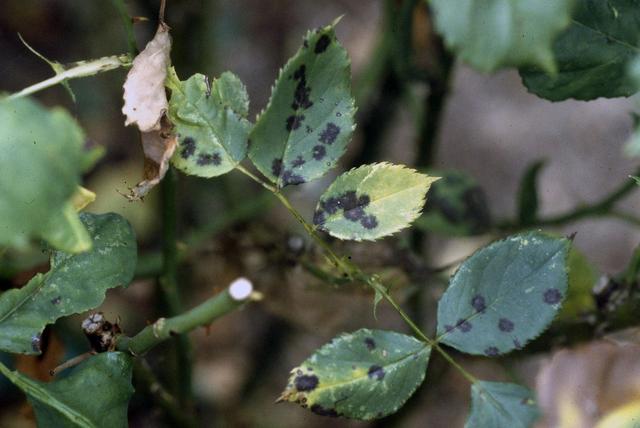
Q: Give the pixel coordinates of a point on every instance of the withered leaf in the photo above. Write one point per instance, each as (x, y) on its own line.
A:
(145, 100)
(158, 147)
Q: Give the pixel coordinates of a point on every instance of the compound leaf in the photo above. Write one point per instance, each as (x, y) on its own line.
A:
(94, 394)
(41, 160)
(492, 34)
(75, 283)
(593, 54)
(364, 375)
(501, 405)
(372, 201)
(505, 294)
(309, 119)
(210, 122)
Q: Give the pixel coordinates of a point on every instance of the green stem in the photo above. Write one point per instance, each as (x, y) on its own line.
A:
(168, 283)
(77, 70)
(127, 23)
(598, 209)
(202, 315)
(355, 273)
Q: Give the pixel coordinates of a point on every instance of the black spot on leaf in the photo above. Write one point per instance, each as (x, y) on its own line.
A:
(478, 303)
(369, 222)
(306, 382)
(319, 410)
(376, 372)
(318, 217)
(552, 296)
(448, 328)
(491, 351)
(288, 177)
(294, 121)
(370, 343)
(319, 152)
(299, 161)
(363, 200)
(329, 134)
(354, 214)
(205, 159)
(330, 205)
(464, 325)
(505, 325)
(301, 94)
(322, 44)
(276, 167)
(188, 148)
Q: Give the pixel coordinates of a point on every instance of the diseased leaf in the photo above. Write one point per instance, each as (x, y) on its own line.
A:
(372, 201)
(309, 119)
(528, 194)
(501, 405)
(593, 54)
(493, 34)
(363, 375)
(145, 100)
(158, 147)
(456, 206)
(209, 119)
(95, 394)
(41, 159)
(505, 294)
(75, 283)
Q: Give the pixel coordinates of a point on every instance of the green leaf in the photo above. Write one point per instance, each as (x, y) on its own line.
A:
(210, 121)
(505, 294)
(593, 54)
(501, 405)
(528, 194)
(363, 375)
(41, 159)
(96, 393)
(372, 201)
(456, 206)
(75, 283)
(309, 119)
(493, 34)
(582, 278)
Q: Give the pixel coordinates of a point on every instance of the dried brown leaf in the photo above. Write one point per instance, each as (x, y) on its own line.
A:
(579, 388)
(158, 147)
(145, 99)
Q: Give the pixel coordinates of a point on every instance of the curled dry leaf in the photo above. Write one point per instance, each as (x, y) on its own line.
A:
(588, 386)
(145, 100)
(145, 104)
(158, 147)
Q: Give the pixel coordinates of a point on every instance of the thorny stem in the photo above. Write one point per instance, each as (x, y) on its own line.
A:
(353, 272)
(79, 69)
(127, 23)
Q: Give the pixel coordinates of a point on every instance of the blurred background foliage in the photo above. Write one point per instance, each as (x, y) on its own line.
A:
(416, 106)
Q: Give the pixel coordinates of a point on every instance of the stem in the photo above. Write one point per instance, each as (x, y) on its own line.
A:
(148, 380)
(168, 283)
(202, 315)
(127, 23)
(354, 272)
(79, 69)
(601, 208)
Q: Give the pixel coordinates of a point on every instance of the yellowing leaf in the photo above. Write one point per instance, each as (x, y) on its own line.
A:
(145, 100)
